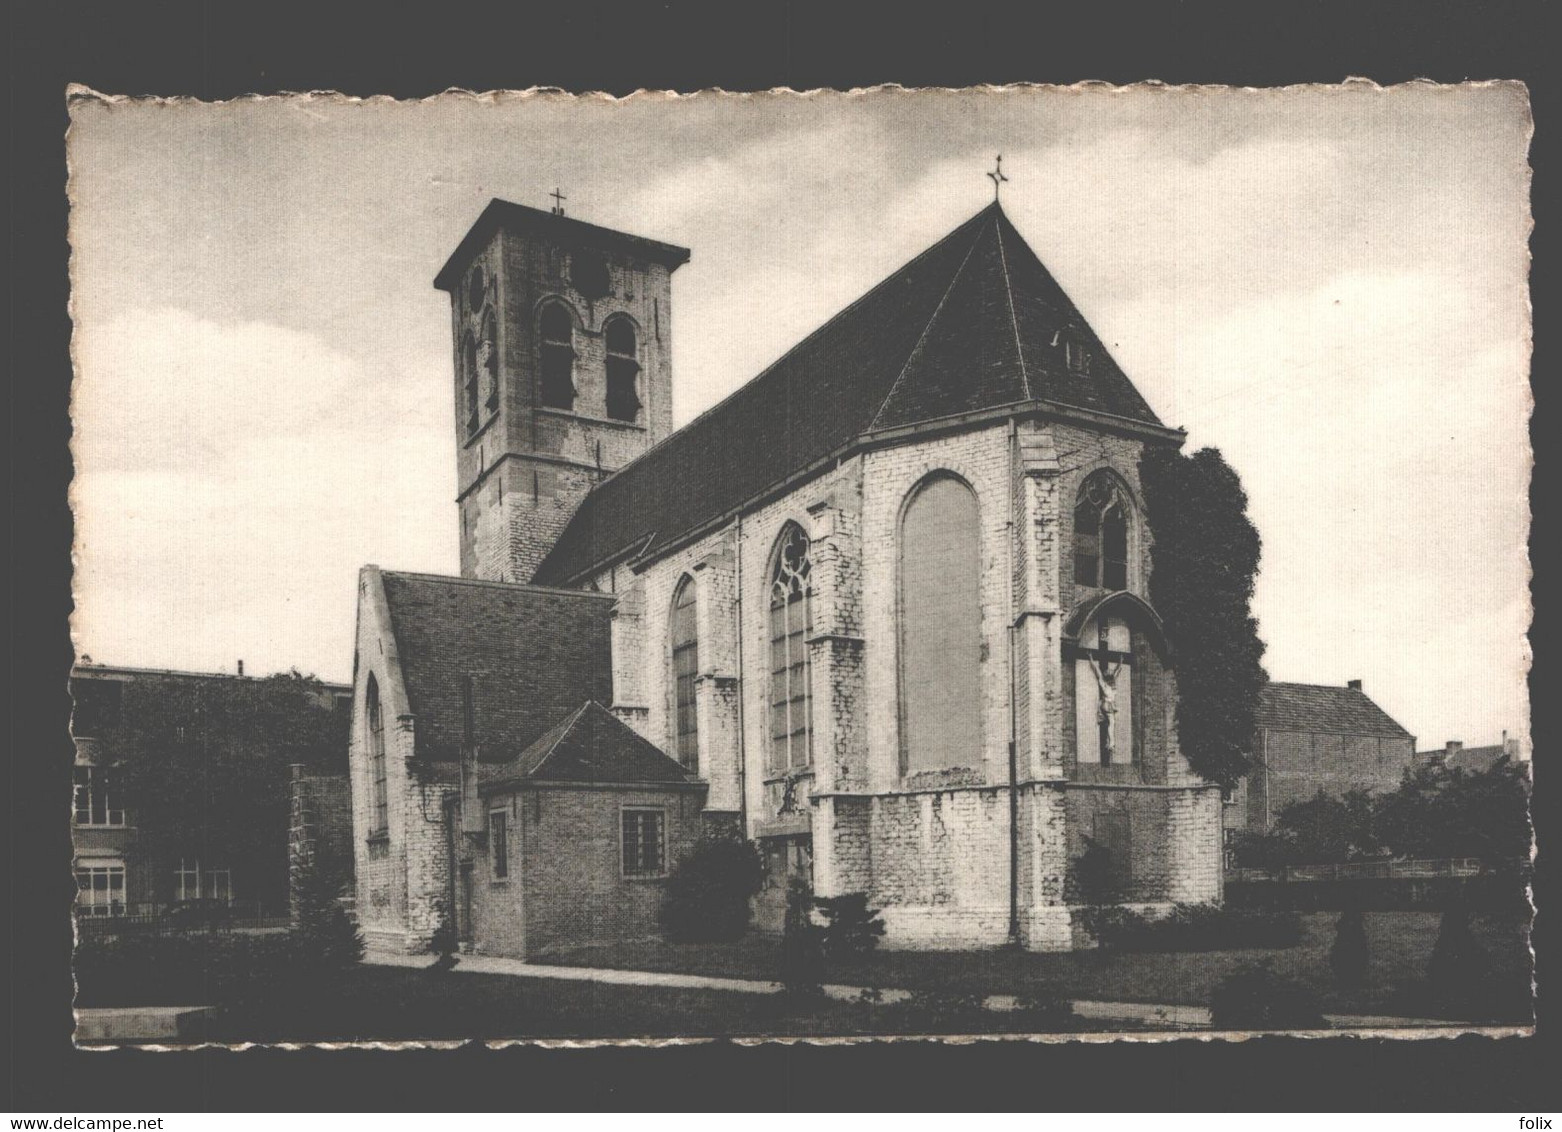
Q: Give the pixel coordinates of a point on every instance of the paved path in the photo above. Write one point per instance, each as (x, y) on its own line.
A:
(1140, 1013)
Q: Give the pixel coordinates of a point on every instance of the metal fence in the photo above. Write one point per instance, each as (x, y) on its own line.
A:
(160, 919)
(1363, 870)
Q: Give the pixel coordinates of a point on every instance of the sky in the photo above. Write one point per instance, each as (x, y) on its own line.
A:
(1327, 284)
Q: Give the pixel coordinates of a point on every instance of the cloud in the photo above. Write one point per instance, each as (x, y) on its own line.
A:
(230, 481)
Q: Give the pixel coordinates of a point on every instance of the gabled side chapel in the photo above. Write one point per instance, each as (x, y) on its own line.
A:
(883, 609)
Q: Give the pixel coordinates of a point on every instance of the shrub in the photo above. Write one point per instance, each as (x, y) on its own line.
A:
(187, 969)
(1200, 927)
(1255, 998)
(326, 935)
(1348, 957)
(802, 958)
(851, 927)
(1460, 972)
(1092, 884)
(707, 895)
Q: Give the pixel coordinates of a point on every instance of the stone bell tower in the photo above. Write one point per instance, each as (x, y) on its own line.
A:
(561, 347)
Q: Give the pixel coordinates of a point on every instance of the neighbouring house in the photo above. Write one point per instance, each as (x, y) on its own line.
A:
(883, 610)
(1314, 737)
(1473, 760)
(124, 864)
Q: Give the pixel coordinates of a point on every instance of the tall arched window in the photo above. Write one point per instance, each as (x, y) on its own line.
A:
(623, 367)
(558, 357)
(488, 360)
(376, 722)
(1101, 519)
(791, 618)
(684, 634)
(940, 628)
(469, 381)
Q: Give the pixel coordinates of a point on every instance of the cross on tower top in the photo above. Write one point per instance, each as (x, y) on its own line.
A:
(997, 177)
(558, 201)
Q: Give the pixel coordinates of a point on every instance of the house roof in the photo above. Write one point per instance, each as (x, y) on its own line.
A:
(1324, 709)
(974, 323)
(1475, 760)
(530, 652)
(589, 745)
(559, 229)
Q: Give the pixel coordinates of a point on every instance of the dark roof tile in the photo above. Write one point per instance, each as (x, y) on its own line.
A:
(975, 322)
(531, 653)
(590, 745)
(1323, 709)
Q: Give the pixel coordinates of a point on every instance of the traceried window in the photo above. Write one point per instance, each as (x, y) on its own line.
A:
(623, 369)
(791, 619)
(488, 360)
(684, 635)
(376, 726)
(96, 803)
(558, 357)
(499, 842)
(643, 840)
(469, 382)
(100, 887)
(940, 628)
(1104, 694)
(1101, 520)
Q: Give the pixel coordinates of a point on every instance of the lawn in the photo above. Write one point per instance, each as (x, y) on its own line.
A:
(1400, 945)
(407, 1004)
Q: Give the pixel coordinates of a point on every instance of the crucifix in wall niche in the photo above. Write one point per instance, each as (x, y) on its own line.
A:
(1105, 671)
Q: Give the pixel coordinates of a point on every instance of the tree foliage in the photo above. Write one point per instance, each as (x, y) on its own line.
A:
(1205, 558)
(204, 766)
(1440, 811)
(707, 895)
(1437, 812)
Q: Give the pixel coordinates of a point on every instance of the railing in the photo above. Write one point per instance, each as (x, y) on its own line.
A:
(163, 919)
(1362, 870)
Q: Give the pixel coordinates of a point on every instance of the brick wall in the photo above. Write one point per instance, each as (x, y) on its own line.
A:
(513, 509)
(1296, 765)
(566, 885)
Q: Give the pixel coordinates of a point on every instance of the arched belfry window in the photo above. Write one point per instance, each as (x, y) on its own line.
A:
(623, 369)
(557, 330)
(1101, 520)
(791, 619)
(684, 635)
(376, 728)
(940, 628)
(469, 395)
(488, 360)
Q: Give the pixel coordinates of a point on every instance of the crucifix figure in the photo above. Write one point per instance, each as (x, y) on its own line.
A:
(1106, 710)
(997, 177)
(558, 201)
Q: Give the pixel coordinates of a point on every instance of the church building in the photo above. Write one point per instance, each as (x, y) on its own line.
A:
(883, 610)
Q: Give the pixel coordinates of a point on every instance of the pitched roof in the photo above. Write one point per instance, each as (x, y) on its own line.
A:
(531, 653)
(560, 229)
(591, 744)
(1475, 760)
(975, 322)
(1324, 709)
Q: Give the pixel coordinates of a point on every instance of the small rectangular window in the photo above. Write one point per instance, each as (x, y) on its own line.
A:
(644, 842)
(499, 842)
